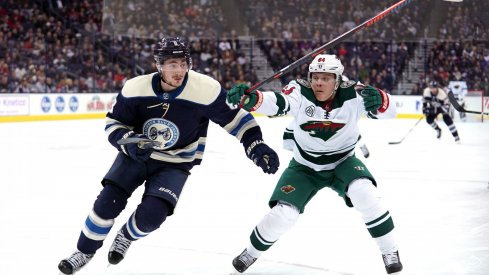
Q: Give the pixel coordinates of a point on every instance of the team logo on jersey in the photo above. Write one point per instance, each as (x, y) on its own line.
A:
(346, 84)
(287, 91)
(162, 130)
(322, 129)
(287, 189)
(310, 110)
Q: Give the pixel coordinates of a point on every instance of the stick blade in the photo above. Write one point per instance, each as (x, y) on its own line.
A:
(394, 142)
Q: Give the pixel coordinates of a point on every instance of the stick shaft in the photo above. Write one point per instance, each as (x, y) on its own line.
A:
(410, 130)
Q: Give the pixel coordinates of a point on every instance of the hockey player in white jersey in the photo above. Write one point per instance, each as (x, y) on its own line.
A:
(459, 89)
(323, 137)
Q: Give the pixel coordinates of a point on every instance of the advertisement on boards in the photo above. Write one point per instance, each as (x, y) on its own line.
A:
(14, 105)
(63, 104)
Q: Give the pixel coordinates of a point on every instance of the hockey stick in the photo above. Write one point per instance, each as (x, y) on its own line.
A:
(143, 143)
(459, 107)
(410, 130)
(310, 56)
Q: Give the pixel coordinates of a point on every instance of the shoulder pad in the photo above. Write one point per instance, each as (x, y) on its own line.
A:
(304, 82)
(200, 88)
(346, 84)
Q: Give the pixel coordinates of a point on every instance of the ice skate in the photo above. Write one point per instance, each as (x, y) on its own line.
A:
(243, 261)
(392, 263)
(75, 262)
(119, 248)
(457, 139)
(438, 133)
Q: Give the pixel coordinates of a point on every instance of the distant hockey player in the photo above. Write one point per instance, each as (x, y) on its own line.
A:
(435, 102)
(323, 139)
(171, 110)
(459, 89)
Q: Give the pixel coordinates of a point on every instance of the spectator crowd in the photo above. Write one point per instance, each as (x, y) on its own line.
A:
(95, 46)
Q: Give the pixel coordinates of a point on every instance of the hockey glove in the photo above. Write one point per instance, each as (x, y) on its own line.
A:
(373, 99)
(428, 108)
(236, 97)
(263, 156)
(136, 150)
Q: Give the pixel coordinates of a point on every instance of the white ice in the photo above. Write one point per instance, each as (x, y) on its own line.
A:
(436, 190)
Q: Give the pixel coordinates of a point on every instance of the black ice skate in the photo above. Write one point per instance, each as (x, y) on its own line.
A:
(365, 151)
(243, 261)
(119, 248)
(75, 262)
(438, 133)
(392, 262)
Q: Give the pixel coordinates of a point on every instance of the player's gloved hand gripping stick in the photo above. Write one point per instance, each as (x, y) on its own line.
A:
(137, 146)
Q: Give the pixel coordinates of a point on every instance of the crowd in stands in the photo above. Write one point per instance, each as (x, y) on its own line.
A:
(323, 20)
(185, 18)
(470, 21)
(95, 46)
(60, 46)
(453, 61)
(373, 63)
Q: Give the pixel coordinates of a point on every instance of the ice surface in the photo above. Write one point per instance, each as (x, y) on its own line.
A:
(436, 190)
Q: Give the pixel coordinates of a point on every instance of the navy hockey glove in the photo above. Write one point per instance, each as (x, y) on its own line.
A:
(428, 108)
(236, 97)
(374, 99)
(263, 156)
(136, 150)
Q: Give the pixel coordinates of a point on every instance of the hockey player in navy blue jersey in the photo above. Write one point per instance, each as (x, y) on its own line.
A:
(169, 110)
(435, 102)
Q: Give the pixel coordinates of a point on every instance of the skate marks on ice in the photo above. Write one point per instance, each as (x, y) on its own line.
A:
(158, 260)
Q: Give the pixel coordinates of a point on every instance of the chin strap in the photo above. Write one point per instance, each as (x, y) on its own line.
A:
(163, 80)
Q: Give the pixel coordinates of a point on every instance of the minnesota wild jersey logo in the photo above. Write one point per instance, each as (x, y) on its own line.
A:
(287, 189)
(322, 129)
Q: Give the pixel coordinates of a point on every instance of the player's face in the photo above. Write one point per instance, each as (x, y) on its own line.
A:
(323, 85)
(174, 70)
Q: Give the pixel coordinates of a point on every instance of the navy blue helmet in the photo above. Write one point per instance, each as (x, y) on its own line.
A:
(171, 47)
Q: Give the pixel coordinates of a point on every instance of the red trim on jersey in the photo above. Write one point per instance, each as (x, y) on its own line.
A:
(385, 101)
(287, 91)
(258, 103)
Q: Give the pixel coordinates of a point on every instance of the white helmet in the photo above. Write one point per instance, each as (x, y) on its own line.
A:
(327, 63)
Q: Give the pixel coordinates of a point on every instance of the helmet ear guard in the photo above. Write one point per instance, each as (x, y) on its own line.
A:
(171, 47)
(327, 63)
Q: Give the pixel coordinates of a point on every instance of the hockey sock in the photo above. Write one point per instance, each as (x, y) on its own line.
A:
(453, 130)
(435, 126)
(109, 204)
(149, 215)
(280, 219)
(367, 201)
